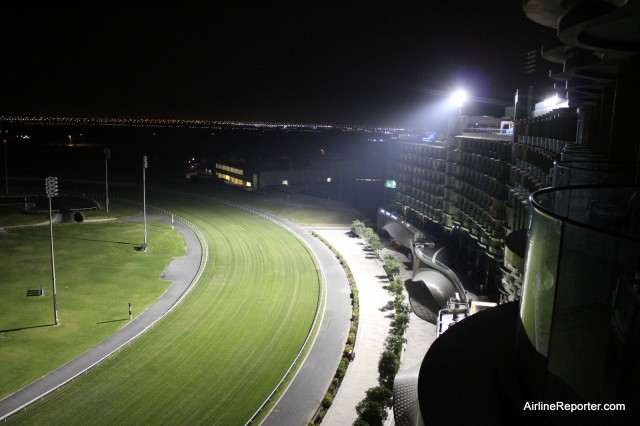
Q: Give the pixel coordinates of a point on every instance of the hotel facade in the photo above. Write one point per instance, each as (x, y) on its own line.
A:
(545, 220)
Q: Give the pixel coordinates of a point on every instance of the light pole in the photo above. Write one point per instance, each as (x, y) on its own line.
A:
(107, 157)
(6, 172)
(145, 164)
(51, 188)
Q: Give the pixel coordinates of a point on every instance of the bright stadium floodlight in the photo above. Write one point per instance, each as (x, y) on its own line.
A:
(51, 188)
(458, 98)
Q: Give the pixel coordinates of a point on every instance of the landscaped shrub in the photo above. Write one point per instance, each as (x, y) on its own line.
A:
(400, 323)
(367, 234)
(391, 265)
(373, 240)
(342, 368)
(371, 412)
(357, 227)
(394, 343)
(347, 350)
(396, 286)
(380, 394)
(387, 368)
(327, 401)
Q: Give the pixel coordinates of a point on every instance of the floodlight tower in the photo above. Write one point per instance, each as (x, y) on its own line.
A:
(51, 188)
(6, 172)
(145, 165)
(107, 157)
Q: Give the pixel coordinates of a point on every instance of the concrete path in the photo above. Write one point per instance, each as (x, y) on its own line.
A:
(181, 271)
(420, 334)
(373, 329)
(370, 278)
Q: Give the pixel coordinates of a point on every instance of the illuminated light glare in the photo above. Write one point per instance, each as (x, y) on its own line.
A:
(550, 101)
(458, 98)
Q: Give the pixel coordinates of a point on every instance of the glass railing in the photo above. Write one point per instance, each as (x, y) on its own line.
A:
(589, 172)
(583, 250)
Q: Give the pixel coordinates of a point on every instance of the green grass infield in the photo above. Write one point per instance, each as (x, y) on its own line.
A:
(98, 273)
(220, 353)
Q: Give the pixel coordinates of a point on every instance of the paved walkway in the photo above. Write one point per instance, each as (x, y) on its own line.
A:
(370, 278)
(373, 328)
(420, 334)
(181, 271)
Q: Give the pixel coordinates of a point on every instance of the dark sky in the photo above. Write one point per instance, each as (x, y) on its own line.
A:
(349, 62)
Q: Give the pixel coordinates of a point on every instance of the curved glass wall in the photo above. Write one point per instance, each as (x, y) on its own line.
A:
(579, 331)
(572, 152)
(586, 172)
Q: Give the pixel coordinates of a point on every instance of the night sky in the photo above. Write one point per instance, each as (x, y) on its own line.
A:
(375, 63)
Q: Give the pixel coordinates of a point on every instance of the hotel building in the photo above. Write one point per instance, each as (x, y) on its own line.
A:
(548, 217)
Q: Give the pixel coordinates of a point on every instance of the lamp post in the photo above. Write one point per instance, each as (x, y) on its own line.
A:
(145, 165)
(107, 157)
(6, 172)
(51, 188)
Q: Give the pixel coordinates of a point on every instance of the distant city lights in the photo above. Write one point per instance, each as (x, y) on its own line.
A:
(194, 123)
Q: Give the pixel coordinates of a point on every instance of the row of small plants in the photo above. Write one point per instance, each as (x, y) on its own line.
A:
(368, 235)
(351, 339)
(373, 409)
